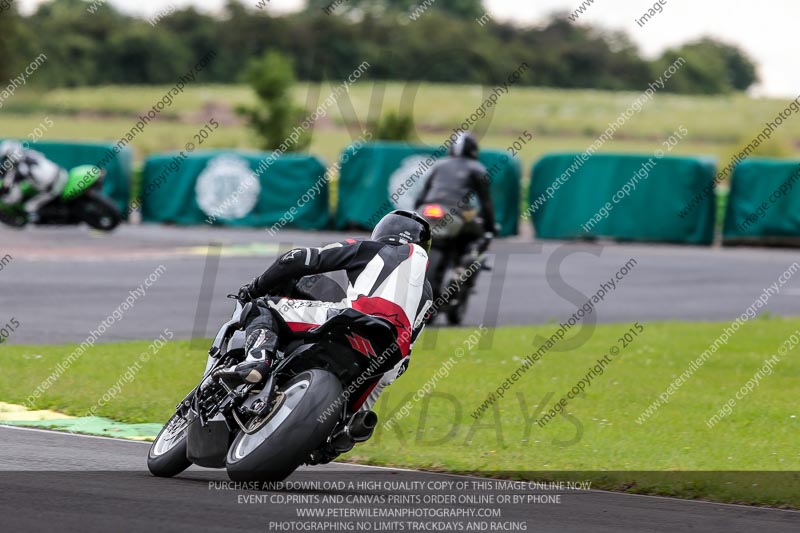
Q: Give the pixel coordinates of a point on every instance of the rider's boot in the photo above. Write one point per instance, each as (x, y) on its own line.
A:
(260, 348)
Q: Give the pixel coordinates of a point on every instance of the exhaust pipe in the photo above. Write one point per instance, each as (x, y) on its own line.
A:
(358, 429)
(361, 425)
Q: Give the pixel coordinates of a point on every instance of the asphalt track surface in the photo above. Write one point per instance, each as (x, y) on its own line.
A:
(62, 282)
(60, 482)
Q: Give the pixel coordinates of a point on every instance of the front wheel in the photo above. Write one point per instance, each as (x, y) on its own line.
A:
(456, 313)
(292, 433)
(436, 272)
(167, 456)
(12, 217)
(98, 212)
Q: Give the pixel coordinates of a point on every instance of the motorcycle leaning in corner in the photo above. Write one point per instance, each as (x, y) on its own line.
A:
(302, 413)
(81, 201)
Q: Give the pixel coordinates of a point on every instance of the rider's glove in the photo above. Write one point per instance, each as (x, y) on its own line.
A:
(245, 293)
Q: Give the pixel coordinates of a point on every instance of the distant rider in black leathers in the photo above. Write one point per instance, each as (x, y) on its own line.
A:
(456, 182)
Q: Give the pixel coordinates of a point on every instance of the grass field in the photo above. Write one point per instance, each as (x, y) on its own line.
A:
(599, 434)
(559, 119)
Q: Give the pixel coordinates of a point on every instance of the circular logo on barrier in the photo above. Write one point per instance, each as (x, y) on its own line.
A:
(227, 188)
(405, 183)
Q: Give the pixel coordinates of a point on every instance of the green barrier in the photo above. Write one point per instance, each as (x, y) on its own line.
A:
(764, 202)
(379, 177)
(235, 188)
(623, 197)
(117, 183)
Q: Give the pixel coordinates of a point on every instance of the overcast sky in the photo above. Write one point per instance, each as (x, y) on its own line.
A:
(766, 30)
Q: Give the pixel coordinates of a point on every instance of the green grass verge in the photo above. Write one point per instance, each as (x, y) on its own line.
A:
(562, 120)
(719, 118)
(439, 432)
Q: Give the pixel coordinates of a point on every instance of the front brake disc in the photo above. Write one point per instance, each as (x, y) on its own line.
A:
(257, 422)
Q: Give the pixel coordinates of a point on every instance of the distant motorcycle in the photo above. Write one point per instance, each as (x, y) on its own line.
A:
(453, 274)
(263, 432)
(81, 201)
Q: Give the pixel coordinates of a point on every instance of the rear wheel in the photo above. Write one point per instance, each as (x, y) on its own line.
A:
(99, 212)
(460, 288)
(167, 456)
(291, 433)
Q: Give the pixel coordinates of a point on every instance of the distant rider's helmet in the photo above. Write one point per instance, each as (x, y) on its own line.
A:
(11, 152)
(465, 146)
(403, 227)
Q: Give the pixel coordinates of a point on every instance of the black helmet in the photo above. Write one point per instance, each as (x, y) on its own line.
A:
(403, 227)
(465, 146)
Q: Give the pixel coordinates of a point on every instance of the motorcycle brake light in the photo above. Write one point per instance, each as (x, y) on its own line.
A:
(433, 211)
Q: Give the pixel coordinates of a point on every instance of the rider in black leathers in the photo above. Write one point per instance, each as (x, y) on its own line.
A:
(384, 276)
(456, 181)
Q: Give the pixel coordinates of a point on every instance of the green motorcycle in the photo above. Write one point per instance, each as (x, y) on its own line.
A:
(81, 201)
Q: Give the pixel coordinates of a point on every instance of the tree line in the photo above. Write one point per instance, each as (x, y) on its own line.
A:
(454, 41)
